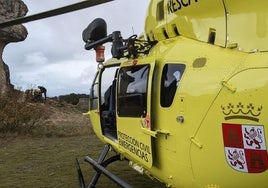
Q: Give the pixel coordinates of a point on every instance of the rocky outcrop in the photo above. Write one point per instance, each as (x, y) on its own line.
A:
(10, 9)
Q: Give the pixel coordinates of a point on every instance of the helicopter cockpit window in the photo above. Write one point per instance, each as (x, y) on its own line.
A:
(132, 91)
(170, 80)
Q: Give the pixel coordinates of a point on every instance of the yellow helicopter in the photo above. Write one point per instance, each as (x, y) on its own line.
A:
(189, 109)
(185, 102)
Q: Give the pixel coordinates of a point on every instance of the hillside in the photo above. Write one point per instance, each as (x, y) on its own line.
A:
(42, 118)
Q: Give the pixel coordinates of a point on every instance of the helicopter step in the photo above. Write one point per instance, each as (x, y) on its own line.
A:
(100, 168)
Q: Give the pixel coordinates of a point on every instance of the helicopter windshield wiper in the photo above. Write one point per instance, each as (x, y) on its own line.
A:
(54, 12)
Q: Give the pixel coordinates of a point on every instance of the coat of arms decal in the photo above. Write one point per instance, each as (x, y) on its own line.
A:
(245, 147)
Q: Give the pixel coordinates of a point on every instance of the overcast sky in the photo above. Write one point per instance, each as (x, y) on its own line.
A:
(53, 54)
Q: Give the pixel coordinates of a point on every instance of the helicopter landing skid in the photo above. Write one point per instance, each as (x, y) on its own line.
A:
(100, 168)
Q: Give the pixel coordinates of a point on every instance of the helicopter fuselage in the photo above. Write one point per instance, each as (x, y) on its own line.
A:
(191, 112)
(194, 118)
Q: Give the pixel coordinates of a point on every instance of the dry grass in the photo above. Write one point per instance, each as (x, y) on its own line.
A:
(41, 152)
(50, 162)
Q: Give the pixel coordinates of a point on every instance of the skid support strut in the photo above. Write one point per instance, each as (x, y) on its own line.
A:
(100, 168)
(100, 160)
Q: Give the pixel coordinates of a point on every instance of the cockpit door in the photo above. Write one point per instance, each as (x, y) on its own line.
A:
(134, 91)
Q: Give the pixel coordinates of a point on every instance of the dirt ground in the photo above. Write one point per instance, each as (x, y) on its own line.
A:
(48, 160)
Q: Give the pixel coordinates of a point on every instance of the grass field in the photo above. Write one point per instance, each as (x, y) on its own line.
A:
(39, 147)
(50, 162)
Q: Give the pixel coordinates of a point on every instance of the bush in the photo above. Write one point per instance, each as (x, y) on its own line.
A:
(20, 117)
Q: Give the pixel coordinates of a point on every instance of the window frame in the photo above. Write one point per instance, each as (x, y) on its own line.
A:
(140, 97)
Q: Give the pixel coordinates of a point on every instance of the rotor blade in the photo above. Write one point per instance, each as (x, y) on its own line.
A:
(54, 12)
